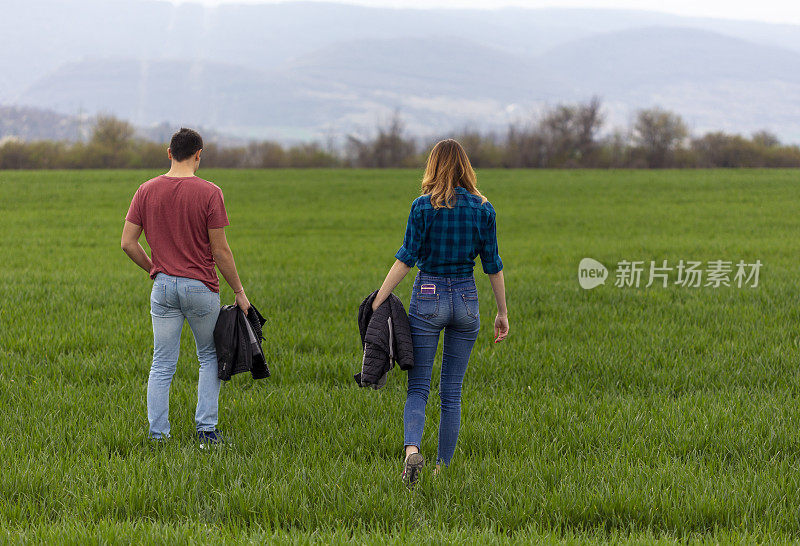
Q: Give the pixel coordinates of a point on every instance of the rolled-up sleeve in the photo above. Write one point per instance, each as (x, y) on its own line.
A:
(409, 252)
(490, 254)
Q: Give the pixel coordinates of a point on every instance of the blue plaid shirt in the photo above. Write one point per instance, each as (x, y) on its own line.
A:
(446, 241)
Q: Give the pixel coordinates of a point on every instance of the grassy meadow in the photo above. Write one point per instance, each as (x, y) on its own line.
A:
(615, 414)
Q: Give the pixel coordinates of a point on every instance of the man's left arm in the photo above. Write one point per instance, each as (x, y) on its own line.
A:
(130, 244)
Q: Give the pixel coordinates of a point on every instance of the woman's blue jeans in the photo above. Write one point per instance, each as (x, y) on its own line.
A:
(451, 306)
(173, 300)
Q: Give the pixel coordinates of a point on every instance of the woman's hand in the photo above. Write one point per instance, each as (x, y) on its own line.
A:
(500, 328)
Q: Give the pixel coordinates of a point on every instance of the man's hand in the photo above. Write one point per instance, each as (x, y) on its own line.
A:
(501, 328)
(242, 301)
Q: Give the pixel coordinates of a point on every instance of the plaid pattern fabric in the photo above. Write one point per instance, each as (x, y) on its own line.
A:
(446, 241)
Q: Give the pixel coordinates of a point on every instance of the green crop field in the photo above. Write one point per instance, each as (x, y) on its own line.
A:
(618, 413)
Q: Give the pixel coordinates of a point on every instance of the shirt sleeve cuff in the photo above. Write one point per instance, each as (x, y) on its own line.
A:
(490, 268)
(404, 256)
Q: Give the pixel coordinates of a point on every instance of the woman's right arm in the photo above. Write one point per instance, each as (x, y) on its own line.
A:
(406, 257)
(501, 320)
(396, 274)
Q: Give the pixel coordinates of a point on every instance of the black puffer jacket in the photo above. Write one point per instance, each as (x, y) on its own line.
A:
(386, 338)
(238, 342)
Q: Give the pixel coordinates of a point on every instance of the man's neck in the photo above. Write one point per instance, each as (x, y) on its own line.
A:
(180, 171)
(179, 174)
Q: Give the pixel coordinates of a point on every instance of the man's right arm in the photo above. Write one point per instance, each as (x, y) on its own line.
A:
(130, 244)
(224, 260)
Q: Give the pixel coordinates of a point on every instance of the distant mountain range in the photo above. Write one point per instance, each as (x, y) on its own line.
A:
(299, 71)
(29, 123)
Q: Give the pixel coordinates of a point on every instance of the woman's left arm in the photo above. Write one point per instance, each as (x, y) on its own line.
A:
(396, 274)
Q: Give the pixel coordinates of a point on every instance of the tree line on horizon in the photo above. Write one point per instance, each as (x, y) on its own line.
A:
(563, 136)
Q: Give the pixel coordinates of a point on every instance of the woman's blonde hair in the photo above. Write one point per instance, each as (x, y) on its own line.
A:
(448, 167)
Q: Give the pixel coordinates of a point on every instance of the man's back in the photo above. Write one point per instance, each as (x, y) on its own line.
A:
(175, 215)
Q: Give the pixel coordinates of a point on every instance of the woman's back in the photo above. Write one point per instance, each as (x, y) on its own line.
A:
(445, 241)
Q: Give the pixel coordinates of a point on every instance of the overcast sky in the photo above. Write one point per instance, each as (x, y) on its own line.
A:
(779, 11)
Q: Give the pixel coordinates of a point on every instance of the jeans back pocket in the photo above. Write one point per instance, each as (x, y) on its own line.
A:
(427, 305)
(200, 301)
(470, 300)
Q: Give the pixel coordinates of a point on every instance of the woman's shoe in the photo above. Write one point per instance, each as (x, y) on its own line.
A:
(413, 467)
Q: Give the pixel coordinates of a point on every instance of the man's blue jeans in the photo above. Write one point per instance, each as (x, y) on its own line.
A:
(454, 308)
(172, 300)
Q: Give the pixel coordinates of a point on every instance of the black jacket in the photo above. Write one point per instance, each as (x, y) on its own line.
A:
(238, 341)
(386, 338)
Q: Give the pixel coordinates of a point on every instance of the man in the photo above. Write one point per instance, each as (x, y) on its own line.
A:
(183, 218)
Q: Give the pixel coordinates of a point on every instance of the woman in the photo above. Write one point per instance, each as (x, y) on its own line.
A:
(450, 224)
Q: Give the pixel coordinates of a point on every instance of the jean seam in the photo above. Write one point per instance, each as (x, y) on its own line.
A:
(158, 290)
(197, 290)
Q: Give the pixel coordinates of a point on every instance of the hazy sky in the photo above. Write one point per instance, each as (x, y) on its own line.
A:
(779, 11)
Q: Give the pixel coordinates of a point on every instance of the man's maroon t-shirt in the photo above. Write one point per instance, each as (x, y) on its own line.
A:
(176, 214)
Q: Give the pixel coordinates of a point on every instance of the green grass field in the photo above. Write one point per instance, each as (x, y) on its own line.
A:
(612, 414)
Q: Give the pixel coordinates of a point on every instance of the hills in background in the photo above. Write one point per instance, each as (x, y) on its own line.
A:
(301, 71)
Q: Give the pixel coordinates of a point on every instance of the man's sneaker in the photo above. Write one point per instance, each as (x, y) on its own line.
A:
(412, 468)
(209, 438)
(158, 442)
